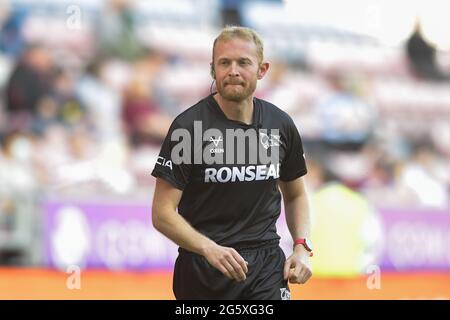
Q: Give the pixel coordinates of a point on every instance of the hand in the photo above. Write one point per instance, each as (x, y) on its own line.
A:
(228, 261)
(297, 267)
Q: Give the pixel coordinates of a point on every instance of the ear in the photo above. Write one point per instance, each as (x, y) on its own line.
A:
(212, 72)
(262, 70)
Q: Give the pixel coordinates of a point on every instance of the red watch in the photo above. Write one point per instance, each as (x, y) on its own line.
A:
(306, 243)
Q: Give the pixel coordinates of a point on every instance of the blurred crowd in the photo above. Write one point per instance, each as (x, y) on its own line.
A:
(83, 111)
(94, 118)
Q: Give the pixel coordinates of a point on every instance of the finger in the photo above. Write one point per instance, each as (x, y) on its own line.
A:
(295, 275)
(240, 260)
(293, 278)
(231, 270)
(306, 274)
(301, 277)
(225, 271)
(287, 269)
(237, 268)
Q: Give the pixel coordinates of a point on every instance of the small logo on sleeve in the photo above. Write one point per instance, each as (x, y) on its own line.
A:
(163, 162)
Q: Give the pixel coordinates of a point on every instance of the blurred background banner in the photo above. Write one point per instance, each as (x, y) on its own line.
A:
(110, 236)
(416, 240)
(88, 90)
(119, 237)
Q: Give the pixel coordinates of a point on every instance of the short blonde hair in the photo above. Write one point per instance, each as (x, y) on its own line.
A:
(244, 33)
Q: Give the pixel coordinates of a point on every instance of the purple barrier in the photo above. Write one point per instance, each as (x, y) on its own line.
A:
(121, 236)
(416, 240)
(113, 236)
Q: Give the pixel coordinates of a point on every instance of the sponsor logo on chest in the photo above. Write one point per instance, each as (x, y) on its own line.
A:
(242, 173)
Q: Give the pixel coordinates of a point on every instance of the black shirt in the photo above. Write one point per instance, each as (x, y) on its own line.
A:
(234, 204)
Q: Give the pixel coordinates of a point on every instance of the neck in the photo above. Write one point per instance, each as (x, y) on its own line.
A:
(239, 111)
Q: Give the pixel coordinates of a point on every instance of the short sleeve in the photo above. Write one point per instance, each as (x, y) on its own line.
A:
(177, 174)
(293, 165)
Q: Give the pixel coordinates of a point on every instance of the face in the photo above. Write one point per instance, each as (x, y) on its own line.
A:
(237, 69)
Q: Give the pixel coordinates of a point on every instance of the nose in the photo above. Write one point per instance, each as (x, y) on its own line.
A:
(233, 72)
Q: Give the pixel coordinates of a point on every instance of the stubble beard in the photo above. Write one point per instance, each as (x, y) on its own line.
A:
(237, 95)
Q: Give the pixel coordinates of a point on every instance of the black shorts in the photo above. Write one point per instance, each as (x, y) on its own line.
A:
(195, 279)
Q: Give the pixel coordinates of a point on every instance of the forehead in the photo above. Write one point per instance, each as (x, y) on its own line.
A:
(235, 48)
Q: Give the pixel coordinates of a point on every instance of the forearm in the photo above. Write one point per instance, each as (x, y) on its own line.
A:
(177, 229)
(297, 267)
(170, 223)
(297, 213)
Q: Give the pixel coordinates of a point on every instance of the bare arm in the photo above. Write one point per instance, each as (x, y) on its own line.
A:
(296, 206)
(166, 220)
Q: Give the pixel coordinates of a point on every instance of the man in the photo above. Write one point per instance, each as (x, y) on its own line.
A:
(227, 209)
